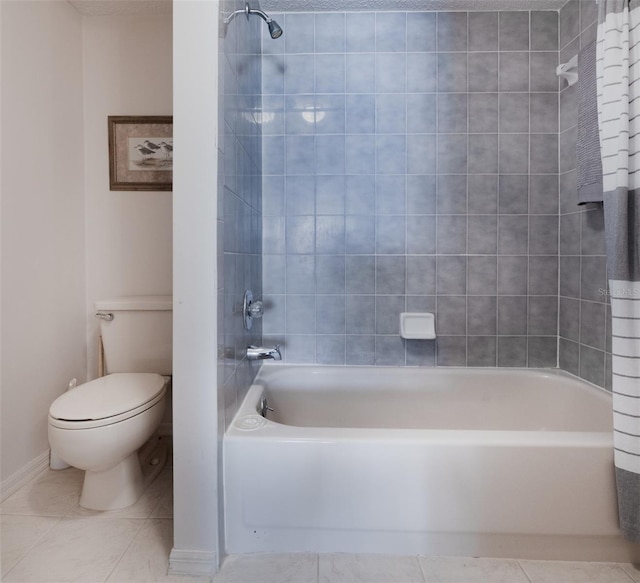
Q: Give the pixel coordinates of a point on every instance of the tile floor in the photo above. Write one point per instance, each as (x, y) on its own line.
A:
(47, 537)
(343, 568)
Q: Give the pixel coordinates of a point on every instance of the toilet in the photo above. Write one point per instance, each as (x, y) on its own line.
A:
(99, 426)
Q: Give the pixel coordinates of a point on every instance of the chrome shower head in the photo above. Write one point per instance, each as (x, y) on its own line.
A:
(275, 30)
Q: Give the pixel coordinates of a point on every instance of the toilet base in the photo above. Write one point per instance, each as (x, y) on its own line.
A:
(119, 487)
(153, 457)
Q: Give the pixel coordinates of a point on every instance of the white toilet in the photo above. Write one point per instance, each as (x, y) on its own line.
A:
(99, 426)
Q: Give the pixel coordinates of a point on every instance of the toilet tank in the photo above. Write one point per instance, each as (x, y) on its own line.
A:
(139, 336)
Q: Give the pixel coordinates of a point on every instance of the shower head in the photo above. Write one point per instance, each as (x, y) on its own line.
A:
(275, 30)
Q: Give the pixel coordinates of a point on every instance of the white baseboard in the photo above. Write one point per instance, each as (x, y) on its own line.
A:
(24, 475)
(185, 562)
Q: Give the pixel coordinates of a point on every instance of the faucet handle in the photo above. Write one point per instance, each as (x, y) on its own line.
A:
(251, 309)
(256, 309)
(277, 349)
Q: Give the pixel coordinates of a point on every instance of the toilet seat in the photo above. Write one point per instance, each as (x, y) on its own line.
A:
(109, 399)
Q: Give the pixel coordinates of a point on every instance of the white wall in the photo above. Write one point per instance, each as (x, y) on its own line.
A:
(127, 64)
(43, 269)
(66, 239)
(196, 411)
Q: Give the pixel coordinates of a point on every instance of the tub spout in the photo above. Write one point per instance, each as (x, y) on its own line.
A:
(260, 353)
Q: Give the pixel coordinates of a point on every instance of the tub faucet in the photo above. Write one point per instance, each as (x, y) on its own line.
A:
(260, 353)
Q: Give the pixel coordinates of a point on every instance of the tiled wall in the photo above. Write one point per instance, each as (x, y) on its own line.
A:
(585, 335)
(411, 164)
(239, 202)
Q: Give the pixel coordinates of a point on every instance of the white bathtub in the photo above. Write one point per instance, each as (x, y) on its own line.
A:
(490, 462)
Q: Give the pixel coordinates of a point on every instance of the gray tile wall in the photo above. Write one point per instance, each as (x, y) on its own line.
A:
(585, 335)
(411, 164)
(239, 203)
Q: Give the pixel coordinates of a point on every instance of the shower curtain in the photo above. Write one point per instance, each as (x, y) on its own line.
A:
(618, 70)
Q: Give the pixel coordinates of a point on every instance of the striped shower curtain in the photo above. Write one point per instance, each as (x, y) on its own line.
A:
(618, 70)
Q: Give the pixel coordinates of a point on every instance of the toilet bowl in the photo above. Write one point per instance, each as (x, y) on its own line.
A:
(99, 427)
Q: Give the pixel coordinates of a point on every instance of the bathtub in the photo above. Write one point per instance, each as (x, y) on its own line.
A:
(491, 462)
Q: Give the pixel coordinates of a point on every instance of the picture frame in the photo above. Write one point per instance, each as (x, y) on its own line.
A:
(140, 152)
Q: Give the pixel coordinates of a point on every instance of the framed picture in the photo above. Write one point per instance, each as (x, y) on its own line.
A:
(140, 152)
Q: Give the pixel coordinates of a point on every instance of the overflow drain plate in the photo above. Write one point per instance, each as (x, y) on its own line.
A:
(250, 422)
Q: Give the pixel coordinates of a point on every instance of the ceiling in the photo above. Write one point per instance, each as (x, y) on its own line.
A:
(160, 7)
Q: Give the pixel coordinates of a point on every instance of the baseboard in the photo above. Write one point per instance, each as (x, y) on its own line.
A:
(185, 562)
(24, 475)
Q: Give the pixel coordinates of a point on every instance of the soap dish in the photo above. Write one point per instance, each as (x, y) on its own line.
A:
(417, 326)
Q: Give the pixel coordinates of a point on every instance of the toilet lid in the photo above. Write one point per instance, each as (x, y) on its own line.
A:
(107, 396)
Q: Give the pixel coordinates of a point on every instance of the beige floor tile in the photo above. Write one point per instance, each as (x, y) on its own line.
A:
(290, 568)
(143, 507)
(147, 558)
(127, 546)
(471, 570)
(50, 494)
(354, 568)
(78, 549)
(574, 572)
(632, 570)
(164, 508)
(18, 534)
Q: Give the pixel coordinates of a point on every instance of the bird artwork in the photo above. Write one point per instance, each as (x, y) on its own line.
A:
(167, 149)
(152, 155)
(144, 152)
(151, 146)
(140, 152)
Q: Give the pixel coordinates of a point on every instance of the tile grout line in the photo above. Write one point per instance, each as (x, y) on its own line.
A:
(344, 207)
(375, 189)
(524, 571)
(124, 552)
(529, 229)
(38, 541)
(624, 569)
(56, 523)
(466, 247)
(422, 571)
(406, 214)
(497, 184)
(436, 344)
(559, 124)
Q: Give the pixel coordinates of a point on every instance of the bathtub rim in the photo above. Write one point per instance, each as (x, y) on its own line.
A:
(267, 368)
(268, 429)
